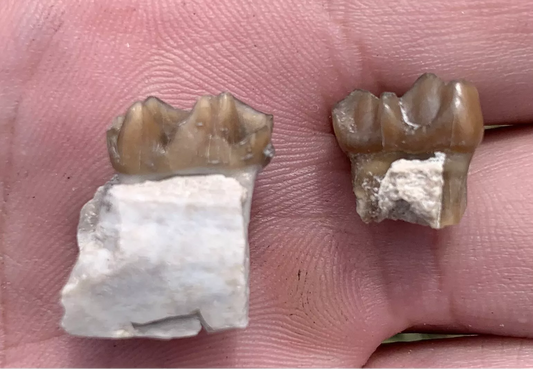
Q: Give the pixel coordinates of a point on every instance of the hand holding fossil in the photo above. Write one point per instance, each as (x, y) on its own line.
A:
(326, 288)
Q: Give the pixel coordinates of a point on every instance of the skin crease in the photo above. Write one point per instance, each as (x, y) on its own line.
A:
(326, 289)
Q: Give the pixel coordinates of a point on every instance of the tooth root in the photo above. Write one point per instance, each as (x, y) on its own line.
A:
(454, 188)
(429, 137)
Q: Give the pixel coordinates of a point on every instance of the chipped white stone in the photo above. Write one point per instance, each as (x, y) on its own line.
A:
(162, 258)
(411, 190)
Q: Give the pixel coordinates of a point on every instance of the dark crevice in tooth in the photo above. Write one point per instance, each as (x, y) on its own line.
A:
(422, 102)
(434, 119)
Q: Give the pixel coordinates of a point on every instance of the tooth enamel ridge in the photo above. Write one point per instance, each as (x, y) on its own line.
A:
(164, 244)
(394, 145)
(219, 133)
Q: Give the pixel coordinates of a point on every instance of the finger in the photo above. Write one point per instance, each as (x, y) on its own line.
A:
(86, 63)
(489, 42)
(304, 59)
(476, 276)
(478, 352)
(57, 158)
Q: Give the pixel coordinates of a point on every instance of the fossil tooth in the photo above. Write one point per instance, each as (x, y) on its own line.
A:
(164, 244)
(220, 133)
(410, 155)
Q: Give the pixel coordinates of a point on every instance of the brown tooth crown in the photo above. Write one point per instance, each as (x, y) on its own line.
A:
(410, 155)
(433, 115)
(218, 134)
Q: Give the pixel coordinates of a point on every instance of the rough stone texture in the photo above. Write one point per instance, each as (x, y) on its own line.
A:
(162, 258)
(412, 190)
(434, 119)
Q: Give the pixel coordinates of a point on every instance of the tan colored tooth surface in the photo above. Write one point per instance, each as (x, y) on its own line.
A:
(219, 133)
(402, 148)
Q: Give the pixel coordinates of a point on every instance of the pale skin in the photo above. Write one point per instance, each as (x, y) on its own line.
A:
(326, 289)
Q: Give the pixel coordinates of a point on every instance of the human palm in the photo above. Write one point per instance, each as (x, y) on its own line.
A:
(326, 289)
